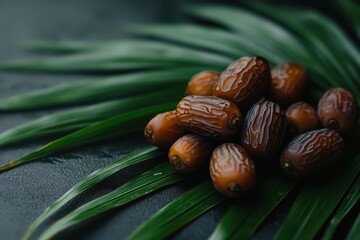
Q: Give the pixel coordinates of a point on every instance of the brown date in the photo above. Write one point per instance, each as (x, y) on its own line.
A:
(232, 170)
(301, 117)
(190, 152)
(288, 83)
(162, 131)
(244, 81)
(209, 116)
(264, 130)
(202, 83)
(337, 110)
(311, 152)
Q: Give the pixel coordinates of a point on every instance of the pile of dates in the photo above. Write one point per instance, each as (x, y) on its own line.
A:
(236, 121)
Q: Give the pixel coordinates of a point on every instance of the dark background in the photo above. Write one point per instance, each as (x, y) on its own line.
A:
(26, 191)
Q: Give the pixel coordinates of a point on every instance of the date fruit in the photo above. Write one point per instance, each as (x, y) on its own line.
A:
(244, 82)
(190, 152)
(311, 152)
(209, 116)
(337, 110)
(162, 131)
(232, 170)
(301, 117)
(264, 130)
(288, 83)
(202, 83)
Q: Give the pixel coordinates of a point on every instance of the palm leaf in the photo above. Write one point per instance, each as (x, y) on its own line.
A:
(347, 204)
(135, 157)
(257, 28)
(316, 202)
(325, 38)
(213, 39)
(159, 177)
(94, 91)
(278, 39)
(128, 52)
(241, 220)
(114, 126)
(355, 230)
(74, 119)
(179, 212)
(351, 11)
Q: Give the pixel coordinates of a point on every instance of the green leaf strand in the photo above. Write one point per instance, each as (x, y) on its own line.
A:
(242, 219)
(315, 204)
(74, 119)
(95, 91)
(114, 126)
(135, 157)
(354, 232)
(178, 213)
(127, 52)
(224, 42)
(159, 177)
(347, 204)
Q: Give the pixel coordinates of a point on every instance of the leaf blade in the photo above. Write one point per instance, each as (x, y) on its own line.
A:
(94, 91)
(346, 206)
(242, 220)
(315, 204)
(138, 187)
(81, 117)
(178, 213)
(127, 122)
(97, 176)
(131, 52)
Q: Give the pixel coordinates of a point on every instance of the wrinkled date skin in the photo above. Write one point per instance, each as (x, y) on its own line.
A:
(337, 110)
(190, 152)
(209, 116)
(301, 117)
(244, 81)
(162, 131)
(288, 83)
(264, 130)
(232, 170)
(311, 152)
(202, 83)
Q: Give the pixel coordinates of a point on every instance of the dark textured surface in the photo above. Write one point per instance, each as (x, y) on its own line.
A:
(26, 191)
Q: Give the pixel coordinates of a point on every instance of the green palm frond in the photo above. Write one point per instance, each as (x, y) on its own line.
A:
(177, 213)
(124, 123)
(104, 89)
(128, 55)
(241, 220)
(81, 117)
(315, 204)
(347, 204)
(161, 176)
(355, 230)
(135, 157)
(176, 52)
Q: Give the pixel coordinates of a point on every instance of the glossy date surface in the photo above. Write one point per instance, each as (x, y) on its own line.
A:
(264, 130)
(209, 116)
(244, 81)
(311, 153)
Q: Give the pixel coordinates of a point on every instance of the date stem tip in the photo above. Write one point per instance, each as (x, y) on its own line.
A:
(148, 132)
(234, 122)
(236, 188)
(333, 124)
(288, 166)
(177, 161)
